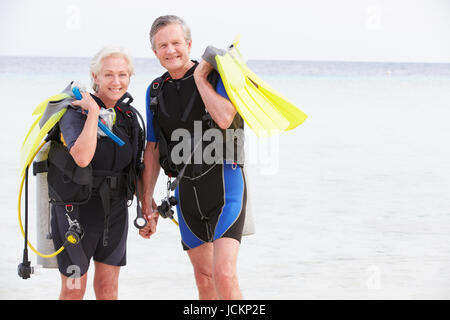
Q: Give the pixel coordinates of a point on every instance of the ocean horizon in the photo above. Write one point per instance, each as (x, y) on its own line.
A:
(52, 64)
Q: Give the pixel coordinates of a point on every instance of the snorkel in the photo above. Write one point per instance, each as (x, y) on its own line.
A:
(76, 92)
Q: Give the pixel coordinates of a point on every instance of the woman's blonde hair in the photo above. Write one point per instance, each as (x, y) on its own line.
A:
(109, 51)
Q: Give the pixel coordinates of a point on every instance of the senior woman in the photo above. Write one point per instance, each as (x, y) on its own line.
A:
(102, 221)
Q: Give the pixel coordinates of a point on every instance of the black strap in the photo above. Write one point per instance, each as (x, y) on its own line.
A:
(40, 167)
(104, 192)
(107, 187)
(161, 104)
(189, 107)
(155, 89)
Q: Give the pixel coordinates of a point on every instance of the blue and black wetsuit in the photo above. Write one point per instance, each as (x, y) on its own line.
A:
(212, 200)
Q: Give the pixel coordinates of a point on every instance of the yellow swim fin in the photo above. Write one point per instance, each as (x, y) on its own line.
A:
(39, 110)
(281, 103)
(54, 99)
(255, 109)
(34, 139)
(48, 112)
(263, 109)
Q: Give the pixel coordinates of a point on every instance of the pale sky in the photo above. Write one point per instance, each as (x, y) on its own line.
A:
(344, 30)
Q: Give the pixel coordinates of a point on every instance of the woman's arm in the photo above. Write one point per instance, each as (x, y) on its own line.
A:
(84, 147)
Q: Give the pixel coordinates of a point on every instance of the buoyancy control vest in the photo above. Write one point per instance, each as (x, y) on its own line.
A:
(112, 173)
(176, 104)
(70, 184)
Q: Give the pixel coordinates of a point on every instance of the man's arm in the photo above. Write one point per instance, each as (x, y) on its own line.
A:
(148, 181)
(221, 109)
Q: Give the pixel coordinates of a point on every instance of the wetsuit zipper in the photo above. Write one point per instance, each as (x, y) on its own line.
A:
(204, 218)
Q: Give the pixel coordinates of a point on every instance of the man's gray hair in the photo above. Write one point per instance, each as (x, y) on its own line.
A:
(163, 21)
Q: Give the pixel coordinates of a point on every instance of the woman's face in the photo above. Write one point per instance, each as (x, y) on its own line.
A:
(112, 79)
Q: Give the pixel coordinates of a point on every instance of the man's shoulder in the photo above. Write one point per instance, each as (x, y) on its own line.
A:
(155, 84)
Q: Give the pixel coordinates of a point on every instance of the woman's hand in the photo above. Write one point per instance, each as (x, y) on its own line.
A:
(87, 103)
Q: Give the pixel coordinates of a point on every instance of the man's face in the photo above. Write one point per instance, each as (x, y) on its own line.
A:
(171, 48)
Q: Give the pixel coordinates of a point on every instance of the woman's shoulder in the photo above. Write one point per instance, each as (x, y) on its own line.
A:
(73, 113)
(72, 117)
(71, 124)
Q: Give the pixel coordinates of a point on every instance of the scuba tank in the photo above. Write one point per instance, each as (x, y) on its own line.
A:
(43, 209)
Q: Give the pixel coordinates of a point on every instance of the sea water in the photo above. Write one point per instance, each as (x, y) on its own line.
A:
(352, 204)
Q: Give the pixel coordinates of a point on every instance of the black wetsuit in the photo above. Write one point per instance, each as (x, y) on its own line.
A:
(105, 235)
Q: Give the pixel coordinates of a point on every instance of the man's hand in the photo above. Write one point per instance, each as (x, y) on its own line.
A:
(152, 216)
(203, 70)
